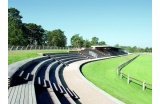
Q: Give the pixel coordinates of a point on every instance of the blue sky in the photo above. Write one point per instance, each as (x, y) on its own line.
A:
(126, 22)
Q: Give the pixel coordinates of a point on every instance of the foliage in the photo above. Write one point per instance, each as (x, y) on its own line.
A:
(15, 33)
(77, 41)
(86, 43)
(34, 34)
(134, 49)
(94, 41)
(117, 45)
(102, 43)
(56, 38)
(14, 14)
(22, 33)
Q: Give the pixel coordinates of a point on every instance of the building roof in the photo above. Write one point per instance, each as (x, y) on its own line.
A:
(104, 46)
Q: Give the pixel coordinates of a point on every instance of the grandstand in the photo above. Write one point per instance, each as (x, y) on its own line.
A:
(40, 80)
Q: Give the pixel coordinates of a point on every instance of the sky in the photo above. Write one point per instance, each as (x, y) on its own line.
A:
(123, 22)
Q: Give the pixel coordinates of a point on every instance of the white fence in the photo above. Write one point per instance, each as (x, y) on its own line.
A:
(129, 79)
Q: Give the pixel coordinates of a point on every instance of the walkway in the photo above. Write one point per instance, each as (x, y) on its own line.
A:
(88, 93)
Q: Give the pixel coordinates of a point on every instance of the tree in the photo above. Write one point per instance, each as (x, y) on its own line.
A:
(15, 33)
(56, 38)
(150, 49)
(86, 43)
(94, 41)
(34, 33)
(117, 45)
(147, 49)
(127, 48)
(77, 41)
(14, 14)
(102, 43)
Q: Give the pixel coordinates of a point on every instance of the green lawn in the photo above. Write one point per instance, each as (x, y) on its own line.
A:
(14, 56)
(140, 68)
(103, 74)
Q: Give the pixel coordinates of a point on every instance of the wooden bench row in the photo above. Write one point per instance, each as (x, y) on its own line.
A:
(60, 87)
(22, 94)
(25, 93)
(57, 88)
(69, 94)
(64, 55)
(19, 66)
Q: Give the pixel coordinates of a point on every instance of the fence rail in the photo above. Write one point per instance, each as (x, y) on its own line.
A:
(129, 79)
(37, 47)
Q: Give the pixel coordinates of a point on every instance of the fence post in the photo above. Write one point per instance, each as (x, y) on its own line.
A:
(128, 79)
(121, 74)
(117, 71)
(143, 86)
(31, 47)
(26, 47)
(11, 47)
(17, 48)
(22, 48)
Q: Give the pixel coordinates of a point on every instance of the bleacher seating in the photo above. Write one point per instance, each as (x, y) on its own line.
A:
(39, 80)
(86, 53)
(34, 79)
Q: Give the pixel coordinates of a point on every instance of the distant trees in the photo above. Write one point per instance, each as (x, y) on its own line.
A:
(77, 41)
(15, 32)
(30, 33)
(134, 49)
(20, 33)
(147, 49)
(117, 45)
(102, 43)
(86, 43)
(34, 34)
(56, 38)
(94, 41)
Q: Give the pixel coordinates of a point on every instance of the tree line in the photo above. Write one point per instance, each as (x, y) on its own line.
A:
(20, 33)
(23, 34)
(134, 49)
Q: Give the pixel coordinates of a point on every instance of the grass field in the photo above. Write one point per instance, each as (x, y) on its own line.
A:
(14, 56)
(103, 74)
(140, 68)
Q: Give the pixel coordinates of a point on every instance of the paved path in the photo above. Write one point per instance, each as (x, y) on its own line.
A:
(88, 93)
